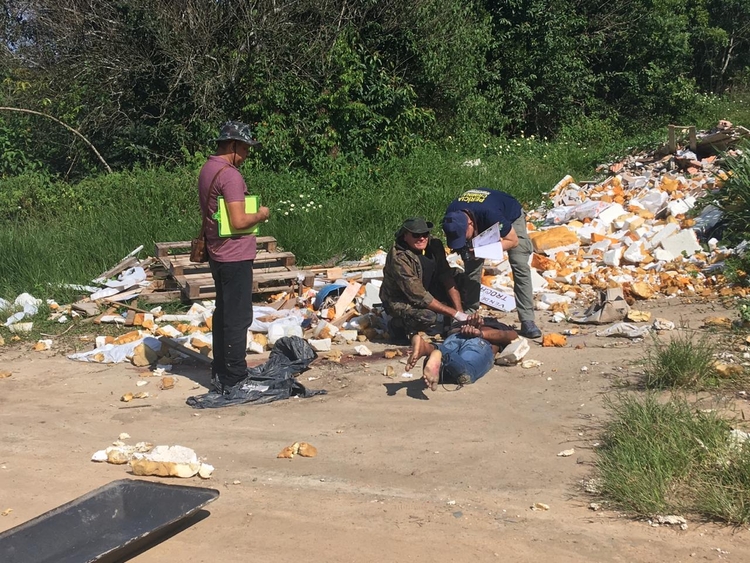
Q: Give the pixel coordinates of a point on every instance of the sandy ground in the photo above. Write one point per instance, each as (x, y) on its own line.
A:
(402, 474)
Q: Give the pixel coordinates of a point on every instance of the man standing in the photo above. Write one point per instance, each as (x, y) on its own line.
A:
(469, 215)
(418, 283)
(230, 258)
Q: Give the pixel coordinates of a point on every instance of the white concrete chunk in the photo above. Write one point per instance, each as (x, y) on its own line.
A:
(684, 241)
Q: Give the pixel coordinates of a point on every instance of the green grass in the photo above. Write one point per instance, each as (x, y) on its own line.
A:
(667, 458)
(55, 232)
(683, 361)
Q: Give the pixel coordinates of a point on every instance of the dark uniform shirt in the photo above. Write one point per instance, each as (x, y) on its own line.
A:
(488, 207)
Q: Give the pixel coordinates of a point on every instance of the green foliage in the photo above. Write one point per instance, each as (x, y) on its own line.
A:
(685, 361)
(148, 83)
(666, 458)
(734, 199)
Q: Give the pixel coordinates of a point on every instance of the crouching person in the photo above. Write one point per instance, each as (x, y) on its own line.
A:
(418, 290)
(465, 356)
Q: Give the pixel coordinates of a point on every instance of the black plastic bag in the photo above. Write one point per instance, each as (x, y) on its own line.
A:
(271, 381)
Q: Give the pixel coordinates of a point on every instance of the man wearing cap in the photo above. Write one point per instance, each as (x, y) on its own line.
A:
(469, 215)
(418, 283)
(231, 258)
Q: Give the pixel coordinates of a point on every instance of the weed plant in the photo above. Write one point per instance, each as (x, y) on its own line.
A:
(684, 361)
(668, 458)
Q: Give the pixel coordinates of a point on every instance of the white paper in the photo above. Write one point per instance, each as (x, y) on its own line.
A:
(489, 236)
(493, 251)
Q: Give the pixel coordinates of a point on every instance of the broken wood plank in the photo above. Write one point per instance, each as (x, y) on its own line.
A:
(346, 298)
(90, 308)
(346, 317)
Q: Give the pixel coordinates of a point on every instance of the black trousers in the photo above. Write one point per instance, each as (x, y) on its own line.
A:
(232, 319)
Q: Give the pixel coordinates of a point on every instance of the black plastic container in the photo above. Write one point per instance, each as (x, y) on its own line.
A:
(106, 525)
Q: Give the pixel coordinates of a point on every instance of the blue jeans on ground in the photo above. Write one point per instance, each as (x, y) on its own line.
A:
(232, 317)
(464, 355)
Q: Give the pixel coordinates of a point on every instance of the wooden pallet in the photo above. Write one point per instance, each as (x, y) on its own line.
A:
(273, 271)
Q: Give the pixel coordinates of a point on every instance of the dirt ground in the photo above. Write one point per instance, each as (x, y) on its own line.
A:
(401, 475)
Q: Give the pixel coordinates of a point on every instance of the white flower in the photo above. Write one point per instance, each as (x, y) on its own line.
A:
(286, 213)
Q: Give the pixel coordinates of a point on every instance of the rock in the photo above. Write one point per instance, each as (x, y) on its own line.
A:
(127, 397)
(513, 352)
(641, 290)
(728, 371)
(307, 450)
(325, 330)
(553, 339)
(390, 354)
(595, 506)
(555, 237)
(143, 356)
(363, 350)
(2, 341)
(5, 374)
(540, 506)
(662, 324)
(349, 335)
(718, 322)
(166, 461)
(566, 453)
(123, 436)
(100, 456)
(320, 345)
(128, 337)
(205, 470)
(167, 382)
(289, 452)
(528, 364)
(672, 520)
(638, 316)
(203, 346)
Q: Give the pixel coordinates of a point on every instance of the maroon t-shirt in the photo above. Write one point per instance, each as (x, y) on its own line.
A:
(230, 184)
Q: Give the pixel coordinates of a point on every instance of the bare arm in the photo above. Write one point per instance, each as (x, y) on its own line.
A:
(241, 220)
(510, 240)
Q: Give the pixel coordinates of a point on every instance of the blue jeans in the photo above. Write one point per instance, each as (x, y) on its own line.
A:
(464, 355)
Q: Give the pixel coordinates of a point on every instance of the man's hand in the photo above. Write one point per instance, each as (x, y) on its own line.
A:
(468, 330)
(460, 316)
(263, 213)
(475, 320)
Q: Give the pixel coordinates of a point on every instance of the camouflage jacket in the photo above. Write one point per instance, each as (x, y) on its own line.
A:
(402, 275)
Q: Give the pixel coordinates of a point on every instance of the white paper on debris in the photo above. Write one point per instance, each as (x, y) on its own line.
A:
(27, 302)
(115, 353)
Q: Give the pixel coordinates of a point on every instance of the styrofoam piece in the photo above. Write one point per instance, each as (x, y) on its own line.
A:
(552, 298)
(634, 254)
(654, 200)
(611, 213)
(602, 245)
(663, 232)
(678, 207)
(684, 241)
(373, 275)
(662, 255)
(538, 283)
(254, 347)
(612, 257)
(513, 352)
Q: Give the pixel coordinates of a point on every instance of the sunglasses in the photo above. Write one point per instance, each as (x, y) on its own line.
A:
(419, 235)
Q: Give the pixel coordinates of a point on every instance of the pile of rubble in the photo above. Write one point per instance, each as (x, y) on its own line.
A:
(637, 229)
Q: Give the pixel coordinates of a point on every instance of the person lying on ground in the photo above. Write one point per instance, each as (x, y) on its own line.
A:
(418, 285)
(466, 355)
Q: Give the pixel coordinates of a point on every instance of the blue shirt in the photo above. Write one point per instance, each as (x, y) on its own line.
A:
(488, 207)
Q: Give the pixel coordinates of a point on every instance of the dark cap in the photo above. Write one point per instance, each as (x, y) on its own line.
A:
(455, 224)
(236, 131)
(417, 225)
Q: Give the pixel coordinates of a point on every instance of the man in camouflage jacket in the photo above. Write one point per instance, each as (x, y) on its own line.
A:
(418, 290)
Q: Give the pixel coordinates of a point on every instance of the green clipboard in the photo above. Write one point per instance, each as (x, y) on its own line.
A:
(222, 217)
